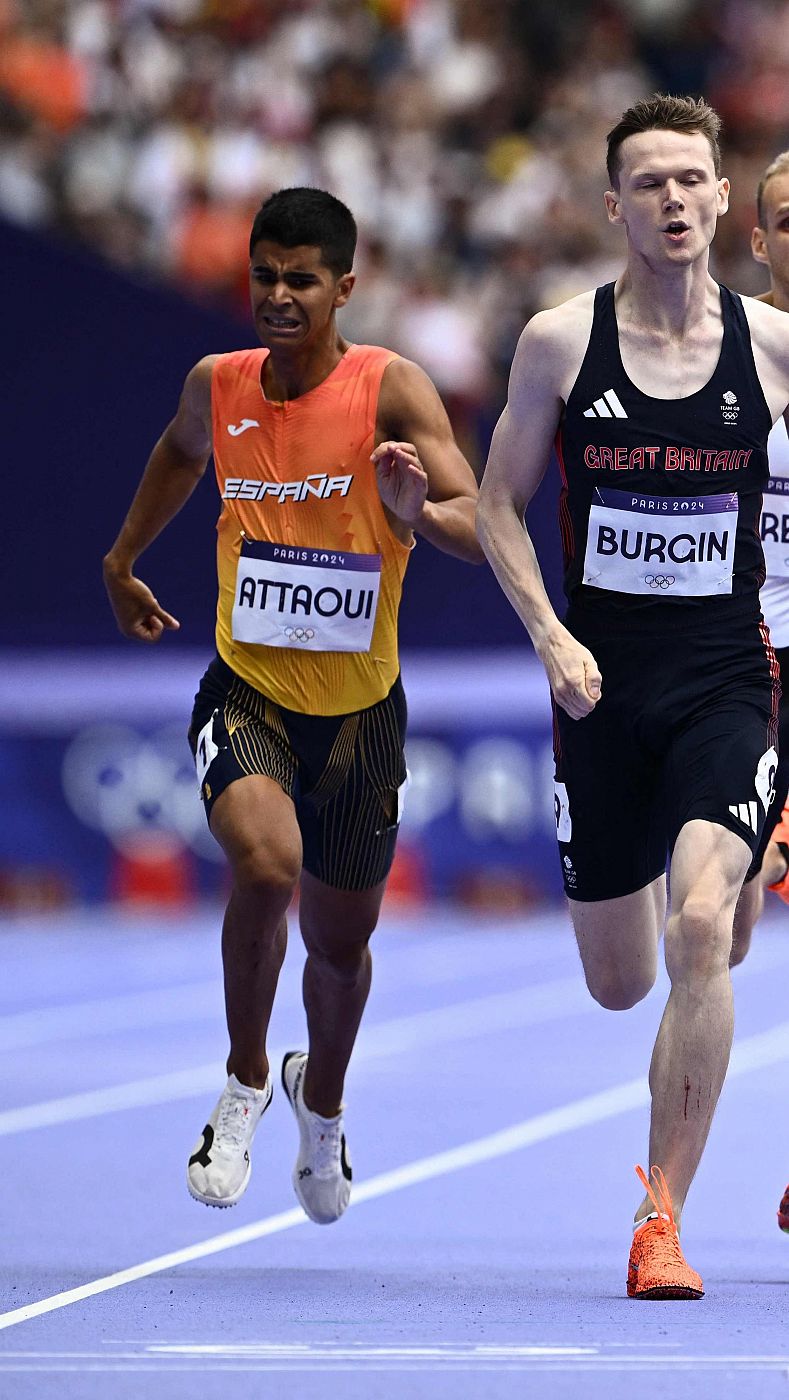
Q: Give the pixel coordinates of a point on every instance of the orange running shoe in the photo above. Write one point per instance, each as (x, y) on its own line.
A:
(783, 1213)
(657, 1267)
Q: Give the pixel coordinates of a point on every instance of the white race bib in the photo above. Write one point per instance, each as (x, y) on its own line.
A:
(673, 545)
(307, 599)
(774, 527)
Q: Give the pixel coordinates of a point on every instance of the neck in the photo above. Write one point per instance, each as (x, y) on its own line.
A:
(778, 297)
(666, 300)
(287, 374)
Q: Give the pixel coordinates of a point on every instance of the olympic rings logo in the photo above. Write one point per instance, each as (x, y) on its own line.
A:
(659, 580)
(299, 634)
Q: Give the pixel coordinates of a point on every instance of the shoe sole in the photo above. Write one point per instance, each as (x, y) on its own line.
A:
(668, 1292)
(227, 1201)
(295, 1176)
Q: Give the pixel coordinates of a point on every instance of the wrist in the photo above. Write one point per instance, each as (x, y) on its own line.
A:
(423, 517)
(544, 634)
(117, 565)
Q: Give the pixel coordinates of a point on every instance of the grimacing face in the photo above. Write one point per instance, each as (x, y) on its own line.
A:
(770, 242)
(293, 293)
(669, 198)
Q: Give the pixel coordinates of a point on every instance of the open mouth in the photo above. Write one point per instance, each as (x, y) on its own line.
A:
(281, 323)
(676, 228)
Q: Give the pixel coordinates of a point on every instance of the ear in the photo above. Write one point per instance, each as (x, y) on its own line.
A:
(344, 288)
(723, 195)
(759, 246)
(613, 207)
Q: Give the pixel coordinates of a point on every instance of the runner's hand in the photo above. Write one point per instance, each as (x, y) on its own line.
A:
(572, 673)
(402, 480)
(137, 612)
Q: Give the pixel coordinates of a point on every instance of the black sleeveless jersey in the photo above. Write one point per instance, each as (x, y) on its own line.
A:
(660, 498)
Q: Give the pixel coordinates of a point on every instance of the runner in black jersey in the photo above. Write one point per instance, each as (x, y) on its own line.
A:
(659, 392)
(770, 865)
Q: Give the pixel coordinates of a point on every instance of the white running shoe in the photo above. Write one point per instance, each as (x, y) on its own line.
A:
(322, 1174)
(219, 1167)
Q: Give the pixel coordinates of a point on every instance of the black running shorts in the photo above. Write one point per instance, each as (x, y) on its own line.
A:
(346, 774)
(782, 776)
(686, 729)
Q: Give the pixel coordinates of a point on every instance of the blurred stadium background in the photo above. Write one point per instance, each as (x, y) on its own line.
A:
(137, 138)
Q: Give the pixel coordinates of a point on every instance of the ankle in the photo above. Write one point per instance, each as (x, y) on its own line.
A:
(325, 1105)
(252, 1076)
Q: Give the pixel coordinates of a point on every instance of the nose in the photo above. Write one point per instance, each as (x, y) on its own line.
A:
(279, 293)
(672, 198)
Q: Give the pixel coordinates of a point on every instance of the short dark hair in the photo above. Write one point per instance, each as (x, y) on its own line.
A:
(661, 112)
(312, 217)
(780, 166)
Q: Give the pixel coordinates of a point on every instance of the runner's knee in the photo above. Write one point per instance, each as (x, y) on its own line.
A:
(698, 940)
(618, 990)
(346, 960)
(267, 871)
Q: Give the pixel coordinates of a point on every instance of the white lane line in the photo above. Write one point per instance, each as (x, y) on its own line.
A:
(537, 1004)
(523, 1007)
(190, 1002)
(196, 1001)
(757, 1052)
(147, 1366)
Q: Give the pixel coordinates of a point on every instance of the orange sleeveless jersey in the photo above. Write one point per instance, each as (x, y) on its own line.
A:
(303, 539)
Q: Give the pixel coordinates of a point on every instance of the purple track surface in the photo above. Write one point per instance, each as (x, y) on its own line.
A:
(493, 1272)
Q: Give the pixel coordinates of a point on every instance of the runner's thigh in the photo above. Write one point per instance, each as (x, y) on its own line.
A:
(351, 795)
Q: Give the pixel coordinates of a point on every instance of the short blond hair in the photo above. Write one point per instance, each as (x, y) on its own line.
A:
(779, 166)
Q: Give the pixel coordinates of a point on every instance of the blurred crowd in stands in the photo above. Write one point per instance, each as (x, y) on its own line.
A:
(466, 135)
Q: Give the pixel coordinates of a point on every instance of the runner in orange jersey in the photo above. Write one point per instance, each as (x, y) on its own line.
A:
(329, 458)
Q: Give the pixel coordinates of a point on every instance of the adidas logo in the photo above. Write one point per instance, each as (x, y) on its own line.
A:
(745, 812)
(607, 406)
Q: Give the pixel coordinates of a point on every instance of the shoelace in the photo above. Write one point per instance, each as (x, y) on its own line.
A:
(666, 1224)
(326, 1140)
(231, 1124)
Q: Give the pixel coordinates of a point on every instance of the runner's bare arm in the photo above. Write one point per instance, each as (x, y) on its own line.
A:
(769, 329)
(174, 468)
(519, 454)
(424, 480)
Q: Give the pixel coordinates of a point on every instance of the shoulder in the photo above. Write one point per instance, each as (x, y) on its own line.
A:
(402, 376)
(759, 310)
(196, 393)
(553, 344)
(769, 327)
(561, 334)
(407, 392)
(203, 371)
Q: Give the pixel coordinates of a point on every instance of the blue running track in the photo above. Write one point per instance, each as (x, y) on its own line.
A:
(495, 1114)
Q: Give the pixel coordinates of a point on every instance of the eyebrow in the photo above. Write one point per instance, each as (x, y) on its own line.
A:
(290, 272)
(663, 175)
